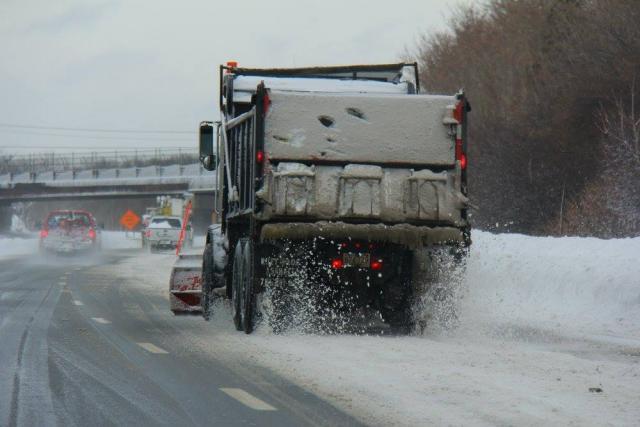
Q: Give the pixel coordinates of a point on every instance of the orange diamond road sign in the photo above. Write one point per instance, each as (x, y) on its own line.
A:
(129, 220)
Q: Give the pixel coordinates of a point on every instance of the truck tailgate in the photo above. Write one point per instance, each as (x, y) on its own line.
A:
(359, 128)
(162, 234)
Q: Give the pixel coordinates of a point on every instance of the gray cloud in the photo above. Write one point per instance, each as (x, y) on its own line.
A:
(153, 64)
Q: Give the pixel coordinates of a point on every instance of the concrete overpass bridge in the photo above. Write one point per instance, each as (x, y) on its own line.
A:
(139, 186)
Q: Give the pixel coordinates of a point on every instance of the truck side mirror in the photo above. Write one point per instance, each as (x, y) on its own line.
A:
(209, 162)
(207, 155)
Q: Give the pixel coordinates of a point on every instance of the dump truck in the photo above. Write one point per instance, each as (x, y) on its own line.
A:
(346, 184)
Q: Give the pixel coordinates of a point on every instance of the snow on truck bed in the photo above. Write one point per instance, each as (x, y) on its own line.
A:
(248, 84)
(163, 225)
(543, 321)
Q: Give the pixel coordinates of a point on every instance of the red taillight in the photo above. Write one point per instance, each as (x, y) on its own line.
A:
(458, 115)
(460, 156)
(376, 265)
(267, 102)
(457, 112)
(337, 264)
(357, 245)
(259, 156)
(44, 233)
(92, 234)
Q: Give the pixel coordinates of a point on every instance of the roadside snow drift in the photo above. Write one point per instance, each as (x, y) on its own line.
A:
(575, 284)
(17, 246)
(27, 244)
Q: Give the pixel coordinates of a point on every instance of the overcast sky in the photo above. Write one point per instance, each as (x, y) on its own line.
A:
(152, 65)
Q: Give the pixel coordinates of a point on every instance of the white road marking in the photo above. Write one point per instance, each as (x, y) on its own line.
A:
(152, 348)
(76, 302)
(248, 399)
(100, 320)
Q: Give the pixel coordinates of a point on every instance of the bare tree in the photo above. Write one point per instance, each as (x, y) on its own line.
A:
(536, 73)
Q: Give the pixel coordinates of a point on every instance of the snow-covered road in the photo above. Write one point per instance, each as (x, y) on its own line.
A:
(549, 334)
(82, 346)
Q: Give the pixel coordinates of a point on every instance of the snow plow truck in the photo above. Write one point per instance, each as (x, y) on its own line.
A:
(340, 183)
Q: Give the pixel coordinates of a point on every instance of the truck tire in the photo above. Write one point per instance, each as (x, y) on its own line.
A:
(249, 299)
(397, 311)
(236, 281)
(398, 299)
(214, 279)
(206, 300)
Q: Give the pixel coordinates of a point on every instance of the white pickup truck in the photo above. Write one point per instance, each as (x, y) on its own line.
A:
(164, 232)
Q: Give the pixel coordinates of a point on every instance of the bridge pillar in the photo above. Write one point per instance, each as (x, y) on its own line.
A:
(5, 217)
(201, 217)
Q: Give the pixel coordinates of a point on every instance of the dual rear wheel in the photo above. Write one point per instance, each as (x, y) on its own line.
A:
(243, 286)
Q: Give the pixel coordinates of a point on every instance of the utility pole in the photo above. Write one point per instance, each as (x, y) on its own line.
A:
(562, 207)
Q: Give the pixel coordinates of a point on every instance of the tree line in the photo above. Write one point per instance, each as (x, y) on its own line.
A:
(554, 132)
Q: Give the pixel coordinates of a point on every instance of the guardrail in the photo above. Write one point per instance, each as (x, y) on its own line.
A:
(36, 163)
(166, 174)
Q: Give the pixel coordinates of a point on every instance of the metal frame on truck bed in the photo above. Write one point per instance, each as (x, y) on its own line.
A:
(338, 190)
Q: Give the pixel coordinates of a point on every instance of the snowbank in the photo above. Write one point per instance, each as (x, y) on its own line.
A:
(121, 240)
(14, 247)
(17, 225)
(580, 285)
(11, 247)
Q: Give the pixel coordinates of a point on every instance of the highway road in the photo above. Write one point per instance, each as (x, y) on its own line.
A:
(81, 347)
(92, 342)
